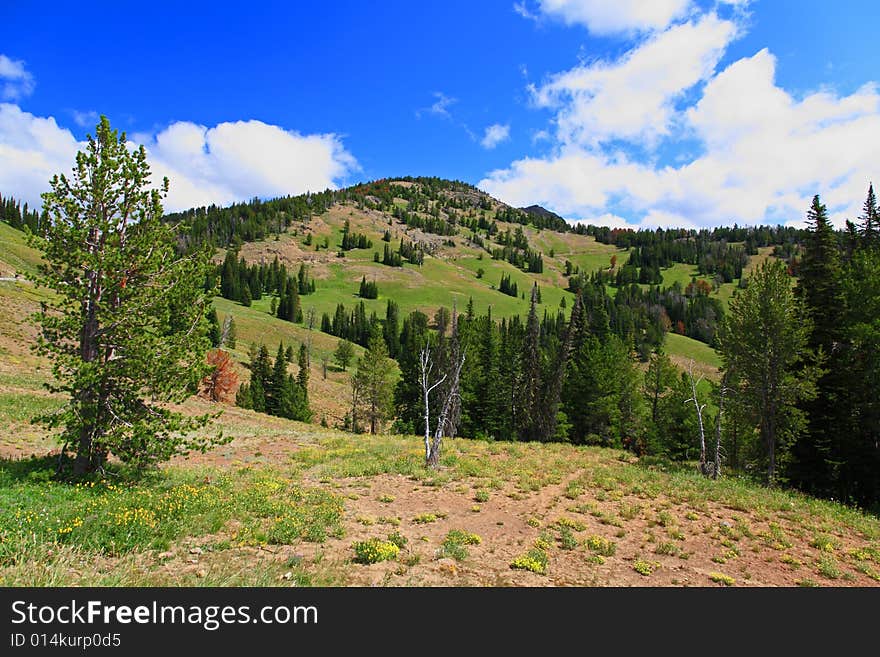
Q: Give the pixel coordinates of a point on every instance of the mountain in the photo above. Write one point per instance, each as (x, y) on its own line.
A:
(464, 241)
(542, 212)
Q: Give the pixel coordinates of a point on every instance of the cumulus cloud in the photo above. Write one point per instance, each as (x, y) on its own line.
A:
(32, 150)
(633, 98)
(221, 164)
(15, 81)
(610, 16)
(494, 135)
(761, 153)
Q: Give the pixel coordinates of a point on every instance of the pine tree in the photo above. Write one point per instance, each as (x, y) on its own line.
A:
(127, 329)
(302, 362)
(391, 329)
(532, 368)
(343, 354)
(414, 335)
(817, 451)
(277, 383)
(374, 379)
(764, 341)
(870, 220)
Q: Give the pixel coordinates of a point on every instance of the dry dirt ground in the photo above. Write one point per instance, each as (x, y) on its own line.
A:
(682, 543)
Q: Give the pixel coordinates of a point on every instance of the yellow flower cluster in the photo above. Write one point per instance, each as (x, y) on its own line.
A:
(374, 550)
(136, 516)
(76, 522)
(530, 562)
(601, 545)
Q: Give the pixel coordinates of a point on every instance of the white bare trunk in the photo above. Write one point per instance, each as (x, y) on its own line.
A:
(704, 467)
(716, 471)
(425, 367)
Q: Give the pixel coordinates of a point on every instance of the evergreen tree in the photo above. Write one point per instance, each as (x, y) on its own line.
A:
(764, 342)
(277, 382)
(660, 380)
(213, 327)
(870, 220)
(343, 354)
(127, 329)
(374, 380)
(391, 329)
(532, 368)
(302, 378)
(859, 473)
(408, 402)
(816, 455)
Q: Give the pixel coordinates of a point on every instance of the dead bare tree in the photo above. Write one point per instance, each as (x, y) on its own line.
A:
(445, 420)
(706, 467)
(722, 390)
(425, 368)
(227, 327)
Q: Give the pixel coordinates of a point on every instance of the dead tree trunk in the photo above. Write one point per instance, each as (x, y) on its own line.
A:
(706, 467)
(716, 471)
(433, 455)
(425, 367)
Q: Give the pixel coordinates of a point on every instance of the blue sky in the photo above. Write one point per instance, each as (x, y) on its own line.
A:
(621, 112)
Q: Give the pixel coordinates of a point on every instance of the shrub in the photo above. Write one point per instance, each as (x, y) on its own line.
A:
(567, 541)
(535, 560)
(374, 550)
(721, 578)
(398, 539)
(456, 542)
(425, 518)
(601, 545)
(576, 525)
(645, 568)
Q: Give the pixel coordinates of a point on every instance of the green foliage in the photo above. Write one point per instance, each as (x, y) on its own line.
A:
(127, 328)
(535, 560)
(273, 390)
(368, 289)
(343, 354)
(721, 578)
(763, 341)
(115, 518)
(645, 568)
(601, 545)
(374, 550)
(373, 385)
(398, 539)
(456, 542)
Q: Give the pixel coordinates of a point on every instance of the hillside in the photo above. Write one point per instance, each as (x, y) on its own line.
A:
(286, 502)
(454, 271)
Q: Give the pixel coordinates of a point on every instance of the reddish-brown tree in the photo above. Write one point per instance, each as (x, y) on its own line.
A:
(221, 383)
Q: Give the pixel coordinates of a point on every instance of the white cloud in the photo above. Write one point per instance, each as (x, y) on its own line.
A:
(761, 153)
(439, 107)
(234, 161)
(494, 135)
(15, 81)
(633, 98)
(221, 164)
(87, 119)
(611, 16)
(32, 150)
(522, 9)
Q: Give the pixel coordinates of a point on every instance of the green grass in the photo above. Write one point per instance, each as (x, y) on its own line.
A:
(15, 254)
(109, 518)
(688, 348)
